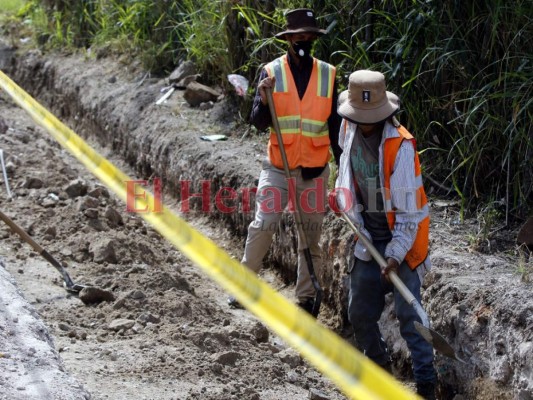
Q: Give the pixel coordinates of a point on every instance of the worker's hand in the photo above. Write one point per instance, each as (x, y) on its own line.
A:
(332, 201)
(392, 265)
(265, 83)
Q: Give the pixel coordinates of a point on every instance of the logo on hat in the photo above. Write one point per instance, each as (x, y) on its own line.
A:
(301, 20)
(367, 100)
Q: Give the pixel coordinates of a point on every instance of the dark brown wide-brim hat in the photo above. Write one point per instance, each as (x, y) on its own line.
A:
(301, 20)
(367, 100)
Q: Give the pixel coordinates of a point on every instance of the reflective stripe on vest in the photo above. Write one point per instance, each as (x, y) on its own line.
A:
(419, 251)
(303, 123)
(326, 73)
(276, 70)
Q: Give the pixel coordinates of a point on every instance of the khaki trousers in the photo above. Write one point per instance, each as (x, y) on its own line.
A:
(271, 199)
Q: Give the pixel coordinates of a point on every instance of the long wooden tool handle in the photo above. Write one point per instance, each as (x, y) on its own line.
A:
(297, 214)
(396, 281)
(27, 238)
(432, 337)
(275, 123)
(42, 252)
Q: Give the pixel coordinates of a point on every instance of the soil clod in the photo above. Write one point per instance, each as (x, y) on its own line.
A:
(95, 295)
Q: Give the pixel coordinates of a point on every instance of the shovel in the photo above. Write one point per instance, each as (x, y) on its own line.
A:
(435, 339)
(297, 214)
(67, 281)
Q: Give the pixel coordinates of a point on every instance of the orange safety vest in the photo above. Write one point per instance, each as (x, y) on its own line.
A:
(303, 123)
(419, 251)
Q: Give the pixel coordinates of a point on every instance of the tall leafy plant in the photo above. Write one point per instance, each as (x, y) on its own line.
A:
(463, 69)
(464, 74)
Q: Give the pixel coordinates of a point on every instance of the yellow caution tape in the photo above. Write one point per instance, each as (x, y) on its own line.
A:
(358, 377)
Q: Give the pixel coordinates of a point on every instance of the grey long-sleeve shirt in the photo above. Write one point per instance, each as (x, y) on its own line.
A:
(403, 184)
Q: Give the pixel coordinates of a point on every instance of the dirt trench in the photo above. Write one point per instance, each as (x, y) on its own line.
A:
(477, 301)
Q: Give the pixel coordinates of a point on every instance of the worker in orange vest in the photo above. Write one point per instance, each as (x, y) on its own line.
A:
(379, 187)
(304, 93)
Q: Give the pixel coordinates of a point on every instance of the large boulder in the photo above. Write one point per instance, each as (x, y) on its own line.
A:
(196, 94)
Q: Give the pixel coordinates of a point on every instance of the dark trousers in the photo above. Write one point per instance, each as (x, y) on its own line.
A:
(366, 303)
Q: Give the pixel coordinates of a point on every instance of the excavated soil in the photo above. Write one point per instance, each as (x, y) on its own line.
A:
(168, 333)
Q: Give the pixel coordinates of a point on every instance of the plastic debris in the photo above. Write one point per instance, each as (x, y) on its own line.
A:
(240, 83)
(214, 138)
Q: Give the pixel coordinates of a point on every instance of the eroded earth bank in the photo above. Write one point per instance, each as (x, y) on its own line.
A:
(168, 333)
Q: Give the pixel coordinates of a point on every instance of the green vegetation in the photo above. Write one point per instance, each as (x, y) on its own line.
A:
(8, 10)
(463, 69)
(525, 265)
(10, 6)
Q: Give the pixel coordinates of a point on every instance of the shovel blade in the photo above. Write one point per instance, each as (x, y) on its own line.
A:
(437, 341)
(317, 303)
(74, 288)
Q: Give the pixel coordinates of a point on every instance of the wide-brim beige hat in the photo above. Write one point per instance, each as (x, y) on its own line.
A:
(367, 100)
(301, 20)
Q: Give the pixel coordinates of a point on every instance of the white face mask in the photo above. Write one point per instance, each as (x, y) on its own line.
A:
(302, 48)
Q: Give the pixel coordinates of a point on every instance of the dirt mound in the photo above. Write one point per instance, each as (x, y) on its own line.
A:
(169, 333)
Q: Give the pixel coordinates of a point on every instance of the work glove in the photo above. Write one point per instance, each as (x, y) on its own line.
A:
(392, 265)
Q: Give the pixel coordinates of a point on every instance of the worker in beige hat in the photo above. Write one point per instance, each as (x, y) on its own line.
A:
(304, 92)
(379, 187)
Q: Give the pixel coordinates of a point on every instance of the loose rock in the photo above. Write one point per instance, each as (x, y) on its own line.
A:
(226, 358)
(121, 323)
(76, 188)
(95, 295)
(315, 394)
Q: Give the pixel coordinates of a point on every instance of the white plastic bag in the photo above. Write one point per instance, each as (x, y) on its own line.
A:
(240, 83)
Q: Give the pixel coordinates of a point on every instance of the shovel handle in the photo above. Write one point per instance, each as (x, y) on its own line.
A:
(396, 281)
(434, 338)
(27, 238)
(297, 214)
(275, 124)
(38, 248)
